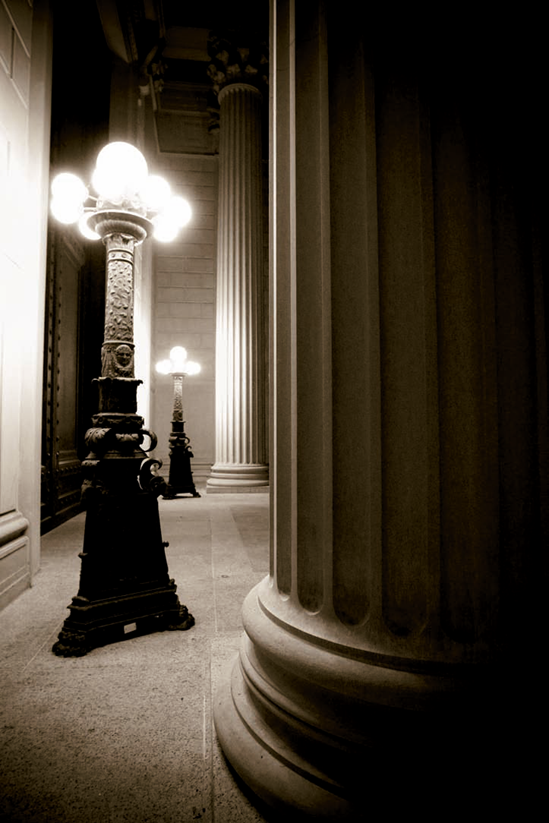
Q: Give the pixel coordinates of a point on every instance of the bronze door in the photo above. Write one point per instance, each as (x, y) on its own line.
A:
(75, 293)
(61, 473)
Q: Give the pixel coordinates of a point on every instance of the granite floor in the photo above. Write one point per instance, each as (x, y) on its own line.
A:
(126, 733)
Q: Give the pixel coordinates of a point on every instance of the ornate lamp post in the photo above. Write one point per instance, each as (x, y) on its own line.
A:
(124, 587)
(180, 480)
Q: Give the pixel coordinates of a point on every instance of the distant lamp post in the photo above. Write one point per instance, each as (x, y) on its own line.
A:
(124, 587)
(180, 479)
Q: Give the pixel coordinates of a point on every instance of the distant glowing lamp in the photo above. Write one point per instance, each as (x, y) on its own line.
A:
(178, 363)
(180, 478)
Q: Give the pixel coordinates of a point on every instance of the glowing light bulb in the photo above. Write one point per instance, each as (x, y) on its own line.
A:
(164, 230)
(192, 367)
(84, 226)
(178, 211)
(66, 211)
(109, 187)
(68, 187)
(68, 196)
(178, 356)
(120, 172)
(164, 367)
(155, 192)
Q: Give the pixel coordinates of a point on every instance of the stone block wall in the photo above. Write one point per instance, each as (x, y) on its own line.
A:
(184, 310)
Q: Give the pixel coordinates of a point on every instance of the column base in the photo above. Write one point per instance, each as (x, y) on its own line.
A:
(314, 731)
(256, 759)
(228, 478)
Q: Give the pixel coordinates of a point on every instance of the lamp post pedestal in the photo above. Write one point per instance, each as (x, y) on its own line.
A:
(125, 588)
(180, 479)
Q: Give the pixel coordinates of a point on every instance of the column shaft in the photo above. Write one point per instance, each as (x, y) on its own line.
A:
(409, 431)
(240, 387)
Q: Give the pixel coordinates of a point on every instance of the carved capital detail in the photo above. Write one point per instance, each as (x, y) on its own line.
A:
(236, 57)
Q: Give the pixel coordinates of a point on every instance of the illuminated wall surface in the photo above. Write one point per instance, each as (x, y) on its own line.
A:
(184, 308)
(24, 158)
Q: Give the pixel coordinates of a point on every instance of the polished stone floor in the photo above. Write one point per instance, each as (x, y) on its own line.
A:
(126, 733)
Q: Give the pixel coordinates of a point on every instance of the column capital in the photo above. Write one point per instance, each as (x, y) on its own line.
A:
(236, 57)
(232, 88)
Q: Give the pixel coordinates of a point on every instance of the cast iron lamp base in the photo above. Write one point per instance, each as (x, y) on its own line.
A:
(180, 480)
(125, 589)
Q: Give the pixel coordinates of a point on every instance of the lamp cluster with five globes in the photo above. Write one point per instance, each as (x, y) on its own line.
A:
(122, 182)
(178, 363)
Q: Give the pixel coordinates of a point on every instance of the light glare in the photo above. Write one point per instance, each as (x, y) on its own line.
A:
(66, 211)
(178, 211)
(178, 363)
(164, 230)
(84, 227)
(121, 181)
(178, 356)
(66, 186)
(164, 367)
(109, 187)
(178, 353)
(155, 192)
(121, 170)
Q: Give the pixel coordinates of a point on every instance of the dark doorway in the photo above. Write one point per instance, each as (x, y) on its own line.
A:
(75, 283)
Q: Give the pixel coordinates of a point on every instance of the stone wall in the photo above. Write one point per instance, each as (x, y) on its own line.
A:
(25, 86)
(184, 309)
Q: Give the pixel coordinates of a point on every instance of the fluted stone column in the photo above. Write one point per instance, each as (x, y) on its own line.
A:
(396, 634)
(240, 462)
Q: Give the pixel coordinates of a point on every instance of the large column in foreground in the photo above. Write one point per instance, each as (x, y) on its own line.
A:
(240, 451)
(397, 633)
